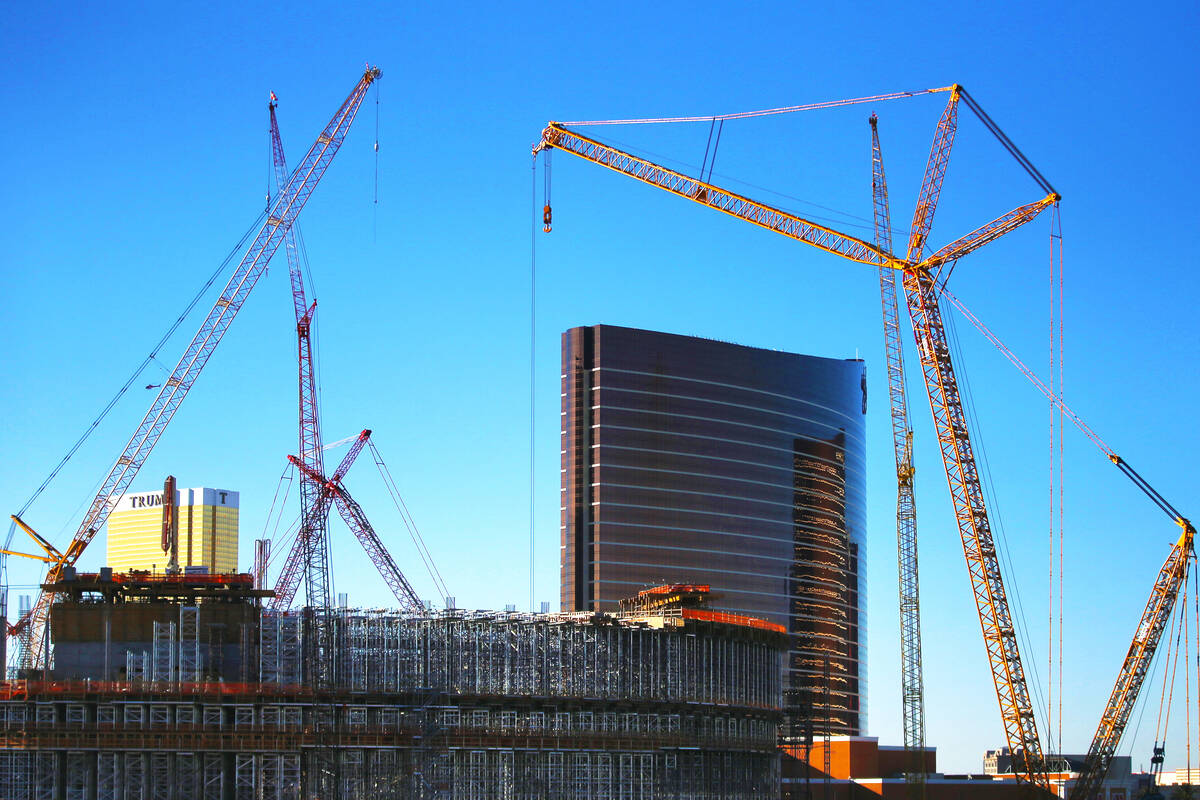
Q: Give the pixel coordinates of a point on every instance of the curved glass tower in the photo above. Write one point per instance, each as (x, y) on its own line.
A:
(689, 460)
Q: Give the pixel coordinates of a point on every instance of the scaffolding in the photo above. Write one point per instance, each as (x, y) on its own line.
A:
(457, 705)
(189, 644)
(164, 653)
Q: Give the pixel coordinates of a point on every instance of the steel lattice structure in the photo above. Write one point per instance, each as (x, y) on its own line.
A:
(452, 705)
(297, 558)
(1136, 665)
(312, 521)
(912, 684)
(356, 519)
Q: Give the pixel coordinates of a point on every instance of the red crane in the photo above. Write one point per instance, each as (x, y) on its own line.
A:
(357, 521)
(313, 527)
(297, 558)
(282, 215)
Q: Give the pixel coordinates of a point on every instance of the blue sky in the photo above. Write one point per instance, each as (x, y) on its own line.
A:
(136, 154)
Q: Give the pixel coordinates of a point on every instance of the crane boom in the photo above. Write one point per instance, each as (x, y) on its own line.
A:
(357, 521)
(935, 175)
(1158, 609)
(713, 196)
(283, 213)
(312, 519)
(962, 472)
(298, 557)
(993, 230)
(911, 678)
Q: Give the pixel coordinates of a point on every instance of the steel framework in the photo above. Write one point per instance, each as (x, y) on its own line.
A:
(295, 564)
(912, 688)
(312, 520)
(356, 519)
(456, 705)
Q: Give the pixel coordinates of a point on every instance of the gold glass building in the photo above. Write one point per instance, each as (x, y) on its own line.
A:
(208, 531)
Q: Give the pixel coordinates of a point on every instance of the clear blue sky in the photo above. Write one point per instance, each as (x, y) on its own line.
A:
(135, 154)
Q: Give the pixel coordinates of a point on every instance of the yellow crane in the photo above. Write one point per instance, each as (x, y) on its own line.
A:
(1159, 607)
(921, 292)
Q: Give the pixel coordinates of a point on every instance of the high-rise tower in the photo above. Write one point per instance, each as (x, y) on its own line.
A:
(696, 461)
(208, 531)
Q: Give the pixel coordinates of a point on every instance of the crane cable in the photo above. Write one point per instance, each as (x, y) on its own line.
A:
(1057, 220)
(863, 223)
(1196, 612)
(286, 477)
(409, 522)
(1121, 464)
(766, 112)
(1057, 463)
(1000, 534)
(145, 363)
(533, 350)
(1170, 664)
(1187, 687)
(1007, 143)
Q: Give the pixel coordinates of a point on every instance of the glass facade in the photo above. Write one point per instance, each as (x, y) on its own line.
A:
(689, 460)
(208, 531)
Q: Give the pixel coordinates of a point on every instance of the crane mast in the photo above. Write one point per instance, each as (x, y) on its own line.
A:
(950, 420)
(312, 521)
(912, 684)
(280, 218)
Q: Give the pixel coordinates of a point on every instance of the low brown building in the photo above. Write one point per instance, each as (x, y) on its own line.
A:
(858, 768)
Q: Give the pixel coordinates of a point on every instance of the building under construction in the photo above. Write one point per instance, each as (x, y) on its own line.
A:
(212, 697)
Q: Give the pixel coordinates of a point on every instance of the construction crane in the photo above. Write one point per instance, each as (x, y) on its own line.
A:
(297, 559)
(317, 492)
(312, 523)
(1163, 595)
(279, 220)
(912, 684)
(356, 520)
(919, 276)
